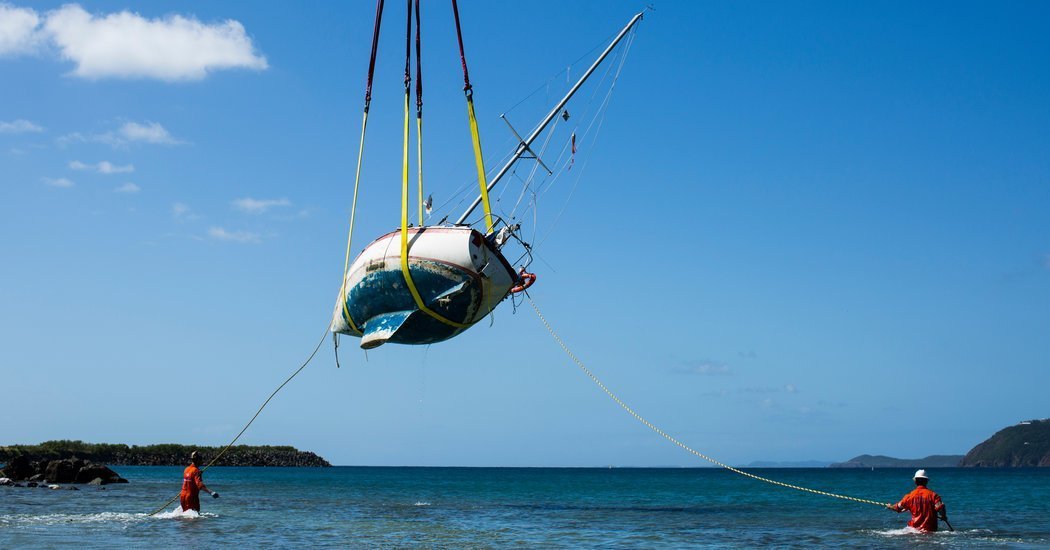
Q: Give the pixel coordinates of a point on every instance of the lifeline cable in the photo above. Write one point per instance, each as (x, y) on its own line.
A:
(667, 436)
(256, 415)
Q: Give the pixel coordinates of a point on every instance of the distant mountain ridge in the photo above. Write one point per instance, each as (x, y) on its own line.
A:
(789, 464)
(880, 461)
(1026, 444)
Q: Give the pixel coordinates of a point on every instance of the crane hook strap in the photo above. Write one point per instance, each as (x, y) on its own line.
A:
(475, 136)
(360, 158)
(669, 437)
(405, 272)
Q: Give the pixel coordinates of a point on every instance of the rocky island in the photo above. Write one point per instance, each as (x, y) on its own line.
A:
(78, 462)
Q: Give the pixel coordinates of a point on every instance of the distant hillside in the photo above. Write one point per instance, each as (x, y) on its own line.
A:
(788, 464)
(164, 454)
(879, 461)
(1026, 444)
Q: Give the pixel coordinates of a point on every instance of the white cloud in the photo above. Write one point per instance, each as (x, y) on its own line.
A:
(180, 210)
(790, 388)
(220, 234)
(19, 32)
(58, 182)
(150, 132)
(103, 167)
(20, 126)
(129, 132)
(703, 368)
(128, 45)
(258, 206)
(127, 188)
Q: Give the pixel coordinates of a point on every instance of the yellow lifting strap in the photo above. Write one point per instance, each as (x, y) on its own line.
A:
(404, 233)
(353, 213)
(479, 160)
(419, 160)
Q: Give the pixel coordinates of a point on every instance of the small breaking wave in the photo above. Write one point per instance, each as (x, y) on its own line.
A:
(100, 517)
(421, 503)
(64, 519)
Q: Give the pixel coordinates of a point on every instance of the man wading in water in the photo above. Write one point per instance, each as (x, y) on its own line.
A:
(193, 484)
(924, 505)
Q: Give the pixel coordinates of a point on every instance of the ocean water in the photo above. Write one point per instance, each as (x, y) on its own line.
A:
(533, 507)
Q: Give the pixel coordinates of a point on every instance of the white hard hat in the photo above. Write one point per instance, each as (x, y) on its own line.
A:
(921, 474)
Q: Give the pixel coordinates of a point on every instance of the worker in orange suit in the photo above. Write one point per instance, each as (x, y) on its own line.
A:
(924, 505)
(193, 484)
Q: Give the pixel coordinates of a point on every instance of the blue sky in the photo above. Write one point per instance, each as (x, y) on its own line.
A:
(805, 231)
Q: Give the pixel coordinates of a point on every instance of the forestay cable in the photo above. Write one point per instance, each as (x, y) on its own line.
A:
(670, 438)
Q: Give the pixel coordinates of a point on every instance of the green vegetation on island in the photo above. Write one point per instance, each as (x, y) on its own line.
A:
(162, 454)
(1026, 444)
(879, 461)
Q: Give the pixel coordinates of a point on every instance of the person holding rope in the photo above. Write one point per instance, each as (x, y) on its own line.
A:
(925, 505)
(193, 484)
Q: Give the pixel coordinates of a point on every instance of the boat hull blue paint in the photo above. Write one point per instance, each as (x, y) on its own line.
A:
(458, 274)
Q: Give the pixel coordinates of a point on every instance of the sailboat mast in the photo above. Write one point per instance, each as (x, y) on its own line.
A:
(524, 145)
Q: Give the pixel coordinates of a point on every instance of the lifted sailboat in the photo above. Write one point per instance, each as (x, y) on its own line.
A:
(426, 284)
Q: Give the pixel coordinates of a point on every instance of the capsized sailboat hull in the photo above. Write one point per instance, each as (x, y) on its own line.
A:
(459, 275)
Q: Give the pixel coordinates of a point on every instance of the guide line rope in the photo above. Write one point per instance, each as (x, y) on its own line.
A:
(256, 415)
(669, 437)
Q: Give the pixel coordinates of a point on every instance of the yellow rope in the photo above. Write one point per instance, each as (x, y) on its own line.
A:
(668, 437)
(475, 136)
(256, 415)
(419, 161)
(353, 213)
(404, 233)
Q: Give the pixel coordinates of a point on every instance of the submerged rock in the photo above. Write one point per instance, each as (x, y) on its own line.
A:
(90, 472)
(18, 468)
(66, 470)
(63, 471)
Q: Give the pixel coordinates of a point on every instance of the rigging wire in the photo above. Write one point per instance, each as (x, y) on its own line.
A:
(603, 110)
(458, 197)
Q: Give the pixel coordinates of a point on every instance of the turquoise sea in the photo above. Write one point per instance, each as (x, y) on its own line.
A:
(372, 507)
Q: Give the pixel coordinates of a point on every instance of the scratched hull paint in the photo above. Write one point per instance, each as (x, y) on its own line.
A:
(459, 275)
